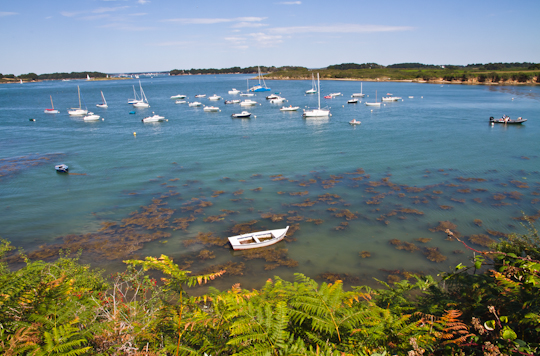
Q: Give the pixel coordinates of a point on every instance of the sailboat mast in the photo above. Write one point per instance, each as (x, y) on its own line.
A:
(319, 90)
(52, 102)
(79, 91)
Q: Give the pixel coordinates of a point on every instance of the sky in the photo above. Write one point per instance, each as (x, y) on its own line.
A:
(117, 36)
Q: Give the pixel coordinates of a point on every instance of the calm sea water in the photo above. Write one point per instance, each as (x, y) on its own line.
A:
(431, 157)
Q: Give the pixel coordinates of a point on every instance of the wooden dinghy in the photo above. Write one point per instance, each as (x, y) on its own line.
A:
(257, 239)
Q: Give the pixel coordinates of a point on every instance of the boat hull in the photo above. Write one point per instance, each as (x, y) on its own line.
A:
(257, 239)
(292, 108)
(316, 113)
(141, 105)
(259, 89)
(61, 168)
(519, 121)
(155, 118)
(77, 112)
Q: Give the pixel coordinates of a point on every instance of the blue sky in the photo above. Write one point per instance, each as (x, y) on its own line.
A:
(157, 35)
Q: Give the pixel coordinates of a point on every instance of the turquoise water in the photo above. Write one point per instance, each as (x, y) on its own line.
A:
(247, 168)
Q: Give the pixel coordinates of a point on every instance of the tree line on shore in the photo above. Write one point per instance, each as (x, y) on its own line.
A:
(490, 307)
(483, 73)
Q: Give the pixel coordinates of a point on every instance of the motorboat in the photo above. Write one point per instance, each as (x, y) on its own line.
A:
(352, 101)
(180, 102)
(506, 120)
(313, 89)
(211, 109)
(289, 108)
(335, 94)
(248, 102)
(355, 122)
(195, 103)
(328, 96)
(261, 86)
(200, 95)
(178, 96)
(234, 91)
(91, 117)
(61, 168)
(317, 112)
(214, 97)
(272, 96)
(237, 101)
(359, 95)
(78, 111)
(53, 110)
(247, 94)
(154, 118)
(390, 98)
(257, 239)
(277, 100)
(243, 114)
(103, 102)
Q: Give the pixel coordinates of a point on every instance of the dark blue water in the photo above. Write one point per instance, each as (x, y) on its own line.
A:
(427, 159)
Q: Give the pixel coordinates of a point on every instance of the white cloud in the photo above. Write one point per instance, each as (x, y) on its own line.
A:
(142, 2)
(126, 27)
(211, 21)
(264, 40)
(248, 24)
(237, 42)
(250, 19)
(173, 44)
(340, 28)
(3, 13)
(69, 14)
(196, 21)
(109, 9)
(95, 17)
(290, 3)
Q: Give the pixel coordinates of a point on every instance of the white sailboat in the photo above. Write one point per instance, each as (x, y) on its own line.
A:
(375, 103)
(247, 93)
(104, 102)
(313, 89)
(53, 110)
(143, 103)
(260, 87)
(78, 111)
(136, 97)
(359, 95)
(317, 112)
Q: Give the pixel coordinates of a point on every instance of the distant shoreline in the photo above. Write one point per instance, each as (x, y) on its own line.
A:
(470, 82)
(17, 81)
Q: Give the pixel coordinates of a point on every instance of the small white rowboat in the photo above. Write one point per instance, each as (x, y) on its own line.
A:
(257, 239)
